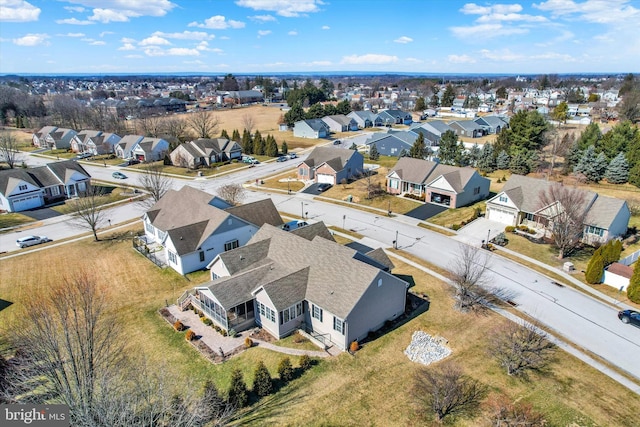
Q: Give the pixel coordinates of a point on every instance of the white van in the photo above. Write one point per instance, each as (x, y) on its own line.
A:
(292, 225)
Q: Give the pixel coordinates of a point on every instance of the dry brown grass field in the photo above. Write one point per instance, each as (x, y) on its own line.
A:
(372, 388)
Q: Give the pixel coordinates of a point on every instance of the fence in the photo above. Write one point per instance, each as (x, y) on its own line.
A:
(628, 260)
(140, 245)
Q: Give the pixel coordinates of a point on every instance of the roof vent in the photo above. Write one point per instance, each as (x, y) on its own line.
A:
(181, 238)
(241, 257)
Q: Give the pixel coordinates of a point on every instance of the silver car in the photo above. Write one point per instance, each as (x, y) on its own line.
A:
(27, 241)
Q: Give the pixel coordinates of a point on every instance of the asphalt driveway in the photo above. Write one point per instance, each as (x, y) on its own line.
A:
(426, 211)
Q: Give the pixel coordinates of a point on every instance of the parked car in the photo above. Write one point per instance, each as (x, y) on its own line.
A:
(119, 175)
(629, 316)
(292, 155)
(248, 159)
(292, 225)
(282, 159)
(84, 155)
(132, 162)
(337, 142)
(27, 241)
(324, 187)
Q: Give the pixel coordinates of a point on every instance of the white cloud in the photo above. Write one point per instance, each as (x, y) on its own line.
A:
(414, 60)
(98, 43)
(293, 33)
(154, 41)
(218, 22)
(369, 58)
(185, 35)
(510, 17)
(32, 40)
(403, 40)
(504, 55)
(486, 31)
(124, 10)
(263, 33)
(174, 51)
(127, 40)
(461, 59)
(104, 33)
(78, 9)
(317, 64)
(73, 21)
(204, 46)
(133, 56)
(127, 46)
(287, 8)
(594, 11)
(262, 18)
(325, 27)
(474, 9)
(489, 22)
(563, 37)
(18, 11)
(195, 62)
(74, 35)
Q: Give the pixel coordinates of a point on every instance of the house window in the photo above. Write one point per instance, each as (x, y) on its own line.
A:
(285, 316)
(302, 171)
(201, 256)
(172, 257)
(55, 191)
(261, 308)
(231, 245)
(317, 312)
(503, 199)
(148, 227)
(529, 217)
(476, 190)
(299, 309)
(394, 183)
(590, 229)
(22, 187)
(338, 325)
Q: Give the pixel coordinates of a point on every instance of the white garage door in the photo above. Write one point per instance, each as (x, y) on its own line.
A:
(25, 203)
(325, 178)
(500, 215)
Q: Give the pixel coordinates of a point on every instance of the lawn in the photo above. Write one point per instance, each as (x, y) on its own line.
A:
(372, 388)
(111, 195)
(13, 219)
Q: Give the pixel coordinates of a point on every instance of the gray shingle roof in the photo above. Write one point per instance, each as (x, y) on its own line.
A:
(258, 213)
(603, 211)
(312, 230)
(336, 157)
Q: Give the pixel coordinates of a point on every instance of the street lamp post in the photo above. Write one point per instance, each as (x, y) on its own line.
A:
(395, 242)
(488, 233)
(344, 218)
(302, 209)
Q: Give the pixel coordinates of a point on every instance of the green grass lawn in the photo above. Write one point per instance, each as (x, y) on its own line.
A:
(111, 195)
(14, 219)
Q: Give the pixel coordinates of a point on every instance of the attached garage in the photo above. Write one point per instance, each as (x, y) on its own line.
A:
(501, 215)
(323, 178)
(27, 202)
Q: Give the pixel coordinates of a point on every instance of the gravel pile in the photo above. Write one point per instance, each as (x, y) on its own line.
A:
(426, 349)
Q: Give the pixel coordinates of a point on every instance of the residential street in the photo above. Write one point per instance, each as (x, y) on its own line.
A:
(572, 315)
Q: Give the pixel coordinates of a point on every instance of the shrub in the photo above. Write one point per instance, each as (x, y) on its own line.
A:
(217, 328)
(509, 229)
(190, 335)
(207, 321)
(595, 269)
(262, 382)
(232, 332)
(633, 290)
(248, 342)
(224, 333)
(456, 227)
(237, 395)
(523, 228)
(354, 347)
(305, 362)
(285, 370)
(178, 326)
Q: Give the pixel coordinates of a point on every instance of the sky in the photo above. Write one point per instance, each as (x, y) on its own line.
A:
(268, 37)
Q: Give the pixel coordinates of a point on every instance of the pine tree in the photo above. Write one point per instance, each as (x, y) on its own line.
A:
(571, 158)
(373, 152)
(634, 175)
(474, 155)
(285, 370)
(271, 149)
(589, 137)
(449, 96)
(592, 166)
(258, 144)
(235, 136)
(503, 160)
(418, 148)
(520, 162)
(238, 394)
(353, 147)
(262, 382)
(449, 151)
(212, 404)
(247, 142)
(224, 134)
(633, 290)
(284, 148)
(618, 170)
(487, 162)
(420, 104)
(595, 269)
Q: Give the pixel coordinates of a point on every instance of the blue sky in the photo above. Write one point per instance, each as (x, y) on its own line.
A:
(271, 36)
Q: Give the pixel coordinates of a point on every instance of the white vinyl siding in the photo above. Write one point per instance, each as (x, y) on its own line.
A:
(338, 325)
(317, 312)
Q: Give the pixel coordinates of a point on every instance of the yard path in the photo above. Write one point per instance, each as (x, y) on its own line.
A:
(292, 351)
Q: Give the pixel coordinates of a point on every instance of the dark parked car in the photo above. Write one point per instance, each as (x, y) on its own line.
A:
(133, 162)
(324, 187)
(337, 142)
(282, 159)
(630, 316)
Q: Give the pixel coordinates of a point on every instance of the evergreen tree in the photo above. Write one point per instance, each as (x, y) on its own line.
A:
(285, 370)
(622, 138)
(284, 148)
(258, 144)
(521, 162)
(247, 142)
(633, 290)
(449, 96)
(592, 166)
(590, 136)
(238, 394)
(224, 134)
(212, 404)
(595, 269)
(353, 147)
(611, 251)
(527, 129)
(503, 160)
(262, 382)
(634, 175)
(418, 148)
(235, 136)
(421, 105)
(618, 170)
(373, 152)
(295, 114)
(449, 151)
(487, 161)
(271, 148)
(403, 153)
(435, 101)
(474, 155)
(571, 158)
(316, 111)
(343, 107)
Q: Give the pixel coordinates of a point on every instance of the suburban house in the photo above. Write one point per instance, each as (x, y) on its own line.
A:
(24, 189)
(389, 144)
(519, 203)
(313, 128)
(150, 149)
(193, 226)
(54, 138)
(395, 117)
(126, 145)
(331, 165)
(467, 128)
(366, 119)
(437, 127)
(284, 281)
(442, 184)
(239, 97)
(205, 152)
(94, 142)
(340, 123)
(493, 124)
(617, 275)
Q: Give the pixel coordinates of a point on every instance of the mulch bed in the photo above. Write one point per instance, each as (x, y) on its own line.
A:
(262, 335)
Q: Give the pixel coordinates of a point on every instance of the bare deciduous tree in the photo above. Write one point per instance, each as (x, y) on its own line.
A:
(367, 182)
(564, 209)
(248, 122)
(470, 271)
(175, 127)
(150, 126)
(203, 124)
(87, 210)
(9, 152)
(447, 391)
(154, 182)
(232, 193)
(519, 347)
